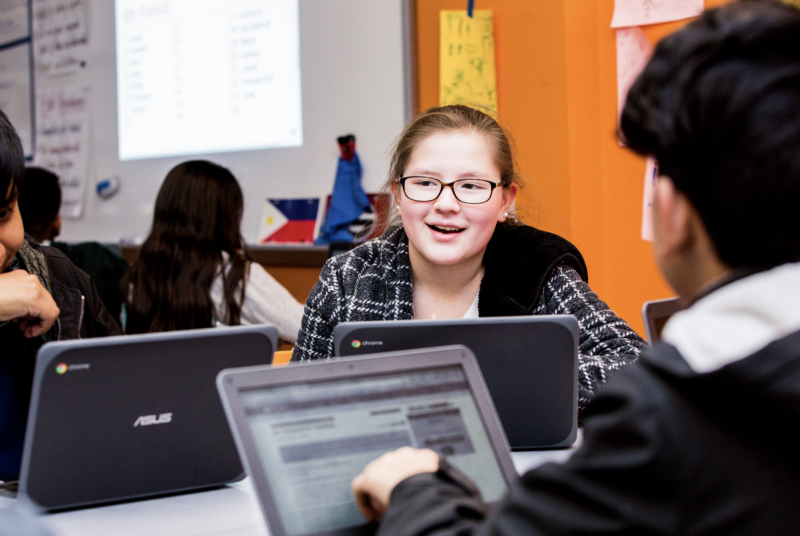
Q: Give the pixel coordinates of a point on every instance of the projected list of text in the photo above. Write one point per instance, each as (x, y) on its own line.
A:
(202, 76)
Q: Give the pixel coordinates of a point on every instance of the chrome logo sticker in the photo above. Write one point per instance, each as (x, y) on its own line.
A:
(356, 343)
(61, 368)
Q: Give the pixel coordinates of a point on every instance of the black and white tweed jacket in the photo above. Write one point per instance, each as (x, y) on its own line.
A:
(528, 271)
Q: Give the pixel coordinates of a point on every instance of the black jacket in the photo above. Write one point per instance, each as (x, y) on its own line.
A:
(82, 315)
(105, 267)
(666, 451)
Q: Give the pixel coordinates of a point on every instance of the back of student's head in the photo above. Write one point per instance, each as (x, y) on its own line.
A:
(197, 216)
(39, 201)
(12, 162)
(718, 106)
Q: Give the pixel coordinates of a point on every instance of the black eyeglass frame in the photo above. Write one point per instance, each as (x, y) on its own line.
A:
(443, 185)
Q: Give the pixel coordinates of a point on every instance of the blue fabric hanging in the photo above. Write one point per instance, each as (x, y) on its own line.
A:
(349, 200)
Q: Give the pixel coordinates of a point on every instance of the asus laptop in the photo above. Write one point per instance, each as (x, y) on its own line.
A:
(132, 416)
(655, 314)
(305, 431)
(530, 364)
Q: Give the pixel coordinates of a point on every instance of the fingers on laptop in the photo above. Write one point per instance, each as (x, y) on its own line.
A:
(373, 487)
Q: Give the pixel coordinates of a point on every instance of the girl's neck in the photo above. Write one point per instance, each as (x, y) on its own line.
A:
(443, 292)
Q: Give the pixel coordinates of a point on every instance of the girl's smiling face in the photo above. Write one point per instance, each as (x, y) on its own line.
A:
(447, 232)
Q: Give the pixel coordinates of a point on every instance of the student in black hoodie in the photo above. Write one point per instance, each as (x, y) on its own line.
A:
(696, 438)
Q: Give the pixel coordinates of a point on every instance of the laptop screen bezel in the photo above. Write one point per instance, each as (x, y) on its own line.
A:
(233, 382)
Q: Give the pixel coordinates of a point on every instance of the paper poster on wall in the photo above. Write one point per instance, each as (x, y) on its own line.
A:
(60, 36)
(650, 175)
(13, 21)
(467, 63)
(15, 91)
(633, 52)
(641, 12)
(62, 142)
(289, 221)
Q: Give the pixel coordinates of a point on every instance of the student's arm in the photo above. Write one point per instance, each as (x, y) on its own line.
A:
(606, 342)
(626, 478)
(23, 299)
(267, 301)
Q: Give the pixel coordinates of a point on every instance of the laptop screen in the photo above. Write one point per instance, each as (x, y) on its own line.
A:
(314, 438)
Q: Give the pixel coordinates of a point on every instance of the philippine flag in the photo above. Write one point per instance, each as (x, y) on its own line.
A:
(289, 220)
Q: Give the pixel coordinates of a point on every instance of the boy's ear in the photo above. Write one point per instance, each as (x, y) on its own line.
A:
(670, 219)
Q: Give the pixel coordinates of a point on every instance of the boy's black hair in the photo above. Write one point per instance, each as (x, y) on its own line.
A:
(718, 106)
(12, 162)
(39, 200)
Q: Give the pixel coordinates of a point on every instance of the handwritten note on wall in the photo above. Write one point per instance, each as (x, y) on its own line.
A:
(13, 20)
(62, 142)
(15, 91)
(641, 12)
(467, 66)
(60, 36)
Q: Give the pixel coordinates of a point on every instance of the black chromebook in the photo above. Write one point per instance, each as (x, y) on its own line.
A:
(530, 364)
(134, 416)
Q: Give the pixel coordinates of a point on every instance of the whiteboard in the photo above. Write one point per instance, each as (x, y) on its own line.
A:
(354, 68)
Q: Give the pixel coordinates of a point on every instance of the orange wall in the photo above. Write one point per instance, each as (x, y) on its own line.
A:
(556, 86)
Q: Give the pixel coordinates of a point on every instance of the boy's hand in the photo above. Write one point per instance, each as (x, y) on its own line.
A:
(24, 300)
(373, 487)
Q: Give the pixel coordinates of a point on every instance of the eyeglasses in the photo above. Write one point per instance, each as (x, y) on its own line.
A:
(470, 191)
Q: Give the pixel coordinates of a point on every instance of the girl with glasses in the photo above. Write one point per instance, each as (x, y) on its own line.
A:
(453, 249)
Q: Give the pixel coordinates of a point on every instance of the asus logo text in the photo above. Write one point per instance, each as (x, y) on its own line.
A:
(147, 420)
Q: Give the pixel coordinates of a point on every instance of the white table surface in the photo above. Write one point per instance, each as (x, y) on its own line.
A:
(232, 510)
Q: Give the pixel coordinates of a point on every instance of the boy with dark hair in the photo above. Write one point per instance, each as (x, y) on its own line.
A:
(696, 437)
(43, 297)
(39, 203)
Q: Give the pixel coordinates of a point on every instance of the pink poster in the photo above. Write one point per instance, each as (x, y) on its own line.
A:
(641, 12)
(633, 52)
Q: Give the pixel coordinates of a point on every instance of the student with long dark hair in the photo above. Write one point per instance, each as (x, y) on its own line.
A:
(193, 271)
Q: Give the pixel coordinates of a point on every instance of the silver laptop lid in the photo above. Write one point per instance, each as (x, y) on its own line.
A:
(656, 313)
(305, 431)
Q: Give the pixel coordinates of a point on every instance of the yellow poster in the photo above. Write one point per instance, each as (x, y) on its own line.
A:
(466, 59)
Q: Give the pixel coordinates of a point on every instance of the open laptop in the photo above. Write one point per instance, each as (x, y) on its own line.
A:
(655, 314)
(131, 416)
(530, 364)
(305, 431)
